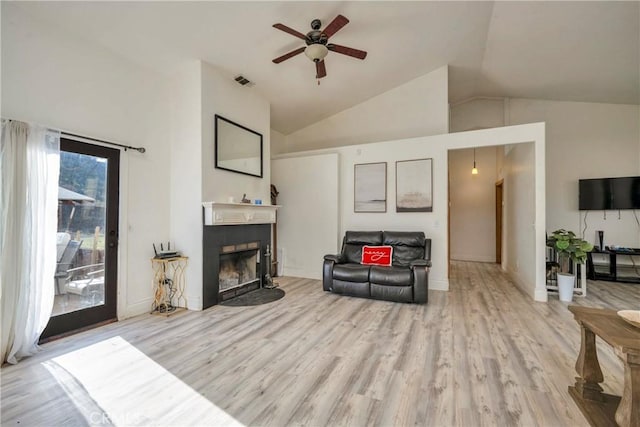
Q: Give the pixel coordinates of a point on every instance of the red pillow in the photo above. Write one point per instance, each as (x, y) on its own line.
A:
(377, 255)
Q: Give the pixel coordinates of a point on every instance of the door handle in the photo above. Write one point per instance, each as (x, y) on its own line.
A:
(113, 241)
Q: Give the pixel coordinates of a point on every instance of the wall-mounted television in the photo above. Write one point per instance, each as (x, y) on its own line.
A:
(626, 192)
(609, 193)
(595, 194)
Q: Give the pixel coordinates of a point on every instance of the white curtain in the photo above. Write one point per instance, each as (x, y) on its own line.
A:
(29, 169)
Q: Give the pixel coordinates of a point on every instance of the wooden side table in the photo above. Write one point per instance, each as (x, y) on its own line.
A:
(599, 408)
(168, 284)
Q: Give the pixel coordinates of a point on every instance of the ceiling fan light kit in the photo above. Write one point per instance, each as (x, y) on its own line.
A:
(316, 52)
(317, 47)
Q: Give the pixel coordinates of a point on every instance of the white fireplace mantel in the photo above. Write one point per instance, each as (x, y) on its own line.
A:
(216, 213)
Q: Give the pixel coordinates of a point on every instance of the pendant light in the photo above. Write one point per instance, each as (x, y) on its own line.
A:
(474, 171)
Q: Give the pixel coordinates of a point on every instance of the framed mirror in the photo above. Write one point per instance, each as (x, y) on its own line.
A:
(238, 149)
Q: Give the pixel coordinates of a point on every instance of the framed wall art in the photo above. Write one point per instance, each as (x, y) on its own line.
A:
(414, 186)
(370, 187)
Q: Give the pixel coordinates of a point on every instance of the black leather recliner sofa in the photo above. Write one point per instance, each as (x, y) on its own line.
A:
(406, 280)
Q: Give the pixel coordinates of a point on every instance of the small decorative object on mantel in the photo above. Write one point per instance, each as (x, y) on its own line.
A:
(244, 199)
(164, 254)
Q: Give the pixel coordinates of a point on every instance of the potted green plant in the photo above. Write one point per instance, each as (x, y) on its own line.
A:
(568, 246)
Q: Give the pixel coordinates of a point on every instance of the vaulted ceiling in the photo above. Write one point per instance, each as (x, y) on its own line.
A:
(574, 51)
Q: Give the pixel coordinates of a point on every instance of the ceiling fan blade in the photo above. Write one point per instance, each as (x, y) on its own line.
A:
(289, 55)
(321, 70)
(335, 25)
(291, 31)
(349, 51)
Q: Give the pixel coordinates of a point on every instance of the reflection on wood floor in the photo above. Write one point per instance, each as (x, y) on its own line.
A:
(481, 354)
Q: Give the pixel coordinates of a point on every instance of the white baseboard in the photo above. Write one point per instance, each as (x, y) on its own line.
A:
(472, 258)
(439, 285)
(541, 295)
(513, 276)
(144, 306)
(538, 294)
(301, 272)
(194, 303)
(136, 309)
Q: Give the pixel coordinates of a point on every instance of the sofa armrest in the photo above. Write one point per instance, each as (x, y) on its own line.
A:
(420, 269)
(335, 258)
(327, 273)
(420, 263)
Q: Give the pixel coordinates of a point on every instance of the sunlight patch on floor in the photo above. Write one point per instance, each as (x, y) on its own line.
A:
(112, 382)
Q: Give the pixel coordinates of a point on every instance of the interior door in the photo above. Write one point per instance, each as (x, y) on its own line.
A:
(87, 238)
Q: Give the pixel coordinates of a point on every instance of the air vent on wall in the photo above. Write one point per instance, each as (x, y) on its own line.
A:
(242, 80)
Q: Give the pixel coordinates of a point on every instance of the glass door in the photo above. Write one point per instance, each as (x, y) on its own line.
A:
(87, 238)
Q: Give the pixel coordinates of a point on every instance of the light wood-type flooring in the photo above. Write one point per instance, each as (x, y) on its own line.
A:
(482, 354)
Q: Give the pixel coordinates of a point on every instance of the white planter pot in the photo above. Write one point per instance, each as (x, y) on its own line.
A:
(566, 283)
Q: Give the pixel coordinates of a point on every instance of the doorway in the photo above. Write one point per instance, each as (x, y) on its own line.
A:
(87, 238)
(472, 176)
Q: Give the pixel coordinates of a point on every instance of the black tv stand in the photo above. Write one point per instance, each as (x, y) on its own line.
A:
(616, 265)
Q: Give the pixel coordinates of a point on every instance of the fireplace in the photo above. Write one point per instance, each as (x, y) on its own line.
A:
(226, 247)
(239, 268)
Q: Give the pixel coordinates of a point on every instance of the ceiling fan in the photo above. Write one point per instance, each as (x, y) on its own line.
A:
(317, 46)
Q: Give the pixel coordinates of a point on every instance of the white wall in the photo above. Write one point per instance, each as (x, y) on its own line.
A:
(472, 204)
(62, 82)
(478, 113)
(54, 79)
(584, 140)
(308, 218)
(416, 108)
(200, 92)
(278, 143)
(434, 224)
(185, 191)
(223, 96)
(520, 207)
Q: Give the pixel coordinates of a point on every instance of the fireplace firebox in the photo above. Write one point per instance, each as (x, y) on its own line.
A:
(239, 267)
(232, 260)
